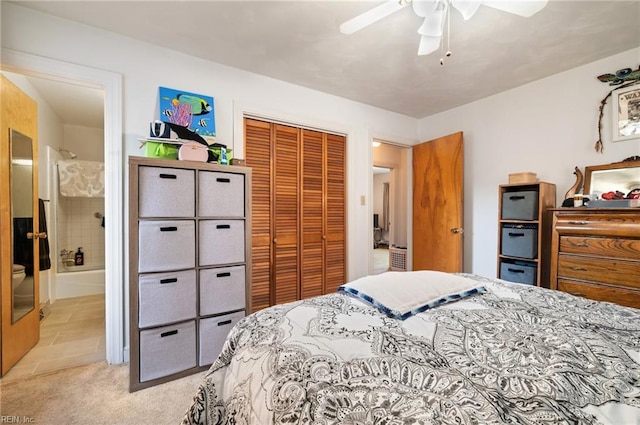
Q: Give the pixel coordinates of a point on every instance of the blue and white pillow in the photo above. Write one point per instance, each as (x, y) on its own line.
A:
(404, 294)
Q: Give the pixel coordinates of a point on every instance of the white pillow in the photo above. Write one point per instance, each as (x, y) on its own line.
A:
(404, 294)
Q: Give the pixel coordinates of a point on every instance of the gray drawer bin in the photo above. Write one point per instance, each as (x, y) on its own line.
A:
(221, 242)
(520, 240)
(166, 298)
(167, 350)
(222, 289)
(220, 194)
(213, 334)
(166, 245)
(520, 273)
(522, 205)
(166, 192)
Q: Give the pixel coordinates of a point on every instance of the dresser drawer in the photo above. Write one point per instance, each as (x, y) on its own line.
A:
(595, 224)
(220, 194)
(167, 350)
(602, 247)
(622, 296)
(166, 192)
(221, 242)
(213, 334)
(222, 290)
(166, 298)
(615, 272)
(166, 245)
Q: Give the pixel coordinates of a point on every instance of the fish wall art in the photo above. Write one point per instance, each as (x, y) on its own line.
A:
(190, 110)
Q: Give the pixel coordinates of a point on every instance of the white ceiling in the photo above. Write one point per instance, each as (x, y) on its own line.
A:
(299, 42)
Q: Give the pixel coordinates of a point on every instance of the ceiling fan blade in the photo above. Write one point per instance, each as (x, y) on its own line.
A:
(369, 17)
(467, 7)
(525, 8)
(432, 24)
(428, 44)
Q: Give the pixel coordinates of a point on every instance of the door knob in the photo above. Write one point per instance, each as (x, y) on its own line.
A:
(39, 235)
(457, 230)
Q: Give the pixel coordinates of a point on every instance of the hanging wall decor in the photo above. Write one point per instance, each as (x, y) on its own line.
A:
(626, 107)
(192, 111)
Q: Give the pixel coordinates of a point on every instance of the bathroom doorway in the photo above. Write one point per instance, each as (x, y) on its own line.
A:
(72, 301)
(388, 203)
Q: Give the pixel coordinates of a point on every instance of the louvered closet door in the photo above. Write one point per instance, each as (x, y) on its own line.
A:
(258, 157)
(335, 212)
(313, 188)
(298, 198)
(285, 223)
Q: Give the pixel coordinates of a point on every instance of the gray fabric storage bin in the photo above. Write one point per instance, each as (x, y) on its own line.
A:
(166, 298)
(222, 290)
(521, 205)
(520, 240)
(220, 194)
(221, 242)
(166, 192)
(167, 350)
(213, 334)
(520, 273)
(166, 245)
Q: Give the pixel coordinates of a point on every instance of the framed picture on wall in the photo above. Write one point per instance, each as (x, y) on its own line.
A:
(626, 113)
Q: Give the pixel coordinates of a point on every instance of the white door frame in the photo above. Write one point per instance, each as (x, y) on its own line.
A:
(111, 83)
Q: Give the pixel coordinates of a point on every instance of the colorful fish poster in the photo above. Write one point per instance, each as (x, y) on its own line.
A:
(194, 111)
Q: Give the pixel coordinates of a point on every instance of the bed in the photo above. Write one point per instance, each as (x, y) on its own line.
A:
(496, 354)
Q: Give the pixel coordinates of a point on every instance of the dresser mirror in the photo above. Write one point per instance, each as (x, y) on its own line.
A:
(619, 176)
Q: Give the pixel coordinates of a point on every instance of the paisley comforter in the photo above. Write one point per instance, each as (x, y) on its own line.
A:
(515, 354)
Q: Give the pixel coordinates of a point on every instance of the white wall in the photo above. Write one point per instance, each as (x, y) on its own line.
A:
(547, 127)
(86, 142)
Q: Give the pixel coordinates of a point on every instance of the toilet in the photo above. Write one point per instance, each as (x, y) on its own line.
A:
(18, 276)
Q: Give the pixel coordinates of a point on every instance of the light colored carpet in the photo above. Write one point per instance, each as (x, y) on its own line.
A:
(95, 394)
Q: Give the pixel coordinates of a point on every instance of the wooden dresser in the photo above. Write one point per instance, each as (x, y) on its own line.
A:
(596, 253)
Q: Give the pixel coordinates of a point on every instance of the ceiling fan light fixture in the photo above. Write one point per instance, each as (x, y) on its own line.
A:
(424, 8)
(466, 8)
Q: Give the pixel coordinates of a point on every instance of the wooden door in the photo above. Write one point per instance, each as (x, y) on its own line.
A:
(258, 157)
(438, 204)
(312, 258)
(335, 213)
(20, 317)
(323, 213)
(284, 220)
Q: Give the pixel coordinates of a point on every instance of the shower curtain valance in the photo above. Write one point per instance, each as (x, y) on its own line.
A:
(81, 178)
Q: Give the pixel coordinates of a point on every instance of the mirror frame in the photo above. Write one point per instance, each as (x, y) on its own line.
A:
(613, 166)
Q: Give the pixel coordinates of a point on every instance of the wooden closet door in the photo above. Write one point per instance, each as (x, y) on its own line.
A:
(285, 220)
(335, 231)
(258, 156)
(299, 212)
(312, 258)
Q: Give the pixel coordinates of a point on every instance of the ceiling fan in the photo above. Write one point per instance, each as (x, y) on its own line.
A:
(435, 13)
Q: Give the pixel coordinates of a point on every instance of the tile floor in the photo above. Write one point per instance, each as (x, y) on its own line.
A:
(72, 334)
